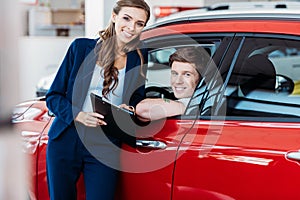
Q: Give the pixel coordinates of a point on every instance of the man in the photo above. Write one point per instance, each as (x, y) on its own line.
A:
(187, 64)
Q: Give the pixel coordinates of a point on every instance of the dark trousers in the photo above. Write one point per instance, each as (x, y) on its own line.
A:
(69, 155)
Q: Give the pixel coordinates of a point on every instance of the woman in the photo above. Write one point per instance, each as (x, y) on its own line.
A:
(112, 67)
(187, 65)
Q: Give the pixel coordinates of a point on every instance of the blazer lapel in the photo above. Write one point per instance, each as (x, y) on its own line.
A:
(85, 73)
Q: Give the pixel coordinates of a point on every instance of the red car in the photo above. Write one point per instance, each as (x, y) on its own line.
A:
(240, 135)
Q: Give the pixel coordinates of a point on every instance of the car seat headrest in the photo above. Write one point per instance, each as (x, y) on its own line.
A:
(259, 72)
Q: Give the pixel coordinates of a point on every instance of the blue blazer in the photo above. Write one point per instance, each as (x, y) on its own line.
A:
(68, 91)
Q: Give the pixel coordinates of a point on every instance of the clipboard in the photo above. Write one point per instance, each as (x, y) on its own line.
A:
(120, 121)
(103, 107)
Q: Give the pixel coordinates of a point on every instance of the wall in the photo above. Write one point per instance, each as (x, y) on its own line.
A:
(39, 57)
(97, 15)
(65, 3)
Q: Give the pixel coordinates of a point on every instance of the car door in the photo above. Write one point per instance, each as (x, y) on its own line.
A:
(147, 170)
(246, 145)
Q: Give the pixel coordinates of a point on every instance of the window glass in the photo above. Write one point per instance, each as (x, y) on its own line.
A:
(265, 79)
(159, 72)
(206, 96)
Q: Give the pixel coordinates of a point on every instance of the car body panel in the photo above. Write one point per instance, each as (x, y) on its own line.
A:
(253, 154)
(34, 130)
(273, 26)
(155, 165)
(31, 127)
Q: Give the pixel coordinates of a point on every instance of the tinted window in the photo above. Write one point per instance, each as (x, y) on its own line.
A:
(265, 79)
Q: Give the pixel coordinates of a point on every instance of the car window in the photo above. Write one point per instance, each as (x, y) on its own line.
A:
(158, 67)
(158, 74)
(265, 79)
(206, 95)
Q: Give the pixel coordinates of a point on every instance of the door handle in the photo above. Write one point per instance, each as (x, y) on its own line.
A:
(294, 155)
(152, 144)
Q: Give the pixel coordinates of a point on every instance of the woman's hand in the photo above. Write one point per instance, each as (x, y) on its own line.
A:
(130, 108)
(90, 119)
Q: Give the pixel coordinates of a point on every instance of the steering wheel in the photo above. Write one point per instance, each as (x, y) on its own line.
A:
(158, 92)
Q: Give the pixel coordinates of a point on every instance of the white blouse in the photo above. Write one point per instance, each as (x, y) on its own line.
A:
(96, 86)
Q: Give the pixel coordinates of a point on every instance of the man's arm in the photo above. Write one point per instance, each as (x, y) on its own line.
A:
(153, 109)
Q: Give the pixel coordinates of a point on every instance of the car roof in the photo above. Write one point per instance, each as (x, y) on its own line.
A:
(264, 14)
(235, 10)
(254, 5)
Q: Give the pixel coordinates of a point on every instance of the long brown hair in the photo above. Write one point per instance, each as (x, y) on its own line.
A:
(107, 51)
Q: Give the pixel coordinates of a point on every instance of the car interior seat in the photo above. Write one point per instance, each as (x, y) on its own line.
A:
(257, 72)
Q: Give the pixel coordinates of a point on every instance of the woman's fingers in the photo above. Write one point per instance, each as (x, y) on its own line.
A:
(101, 122)
(130, 108)
(96, 115)
(97, 119)
(91, 119)
(123, 105)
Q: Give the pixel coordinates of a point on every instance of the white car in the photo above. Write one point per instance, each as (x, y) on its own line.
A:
(44, 84)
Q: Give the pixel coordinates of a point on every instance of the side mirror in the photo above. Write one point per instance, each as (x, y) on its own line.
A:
(284, 84)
